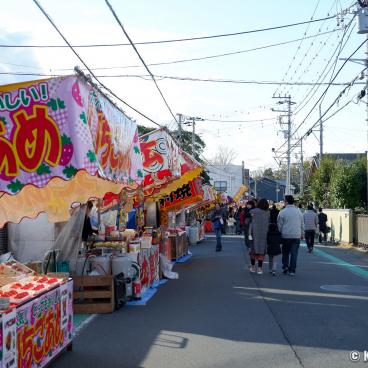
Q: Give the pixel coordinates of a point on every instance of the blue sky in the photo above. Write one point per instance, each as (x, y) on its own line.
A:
(91, 22)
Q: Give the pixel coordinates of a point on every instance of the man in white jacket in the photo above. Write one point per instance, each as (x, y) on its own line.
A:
(291, 225)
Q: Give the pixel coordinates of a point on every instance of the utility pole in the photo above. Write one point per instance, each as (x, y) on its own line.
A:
(180, 117)
(362, 13)
(193, 136)
(192, 120)
(255, 188)
(366, 93)
(287, 134)
(320, 135)
(301, 168)
(288, 177)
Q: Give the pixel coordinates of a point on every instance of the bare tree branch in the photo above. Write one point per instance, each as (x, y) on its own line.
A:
(224, 156)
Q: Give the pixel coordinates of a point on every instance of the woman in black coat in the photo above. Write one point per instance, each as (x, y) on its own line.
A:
(273, 246)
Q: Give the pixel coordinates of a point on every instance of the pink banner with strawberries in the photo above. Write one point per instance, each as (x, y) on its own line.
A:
(57, 127)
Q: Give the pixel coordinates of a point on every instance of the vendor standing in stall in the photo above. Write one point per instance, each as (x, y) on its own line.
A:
(87, 226)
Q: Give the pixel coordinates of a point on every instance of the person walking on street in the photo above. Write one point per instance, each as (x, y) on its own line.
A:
(245, 220)
(274, 213)
(310, 227)
(225, 216)
(273, 247)
(237, 219)
(217, 219)
(231, 224)
(258, 229)
(322, 223)
(291, 225)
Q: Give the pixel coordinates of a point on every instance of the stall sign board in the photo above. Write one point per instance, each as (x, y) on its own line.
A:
(188, 193)
(44, 327)
(9, 330)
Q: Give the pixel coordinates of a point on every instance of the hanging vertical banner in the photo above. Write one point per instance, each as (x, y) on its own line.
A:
(166, 166)
(160, 158)
(56, 127)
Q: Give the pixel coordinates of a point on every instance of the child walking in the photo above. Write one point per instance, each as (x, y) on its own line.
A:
(273, 247)
(231, 224)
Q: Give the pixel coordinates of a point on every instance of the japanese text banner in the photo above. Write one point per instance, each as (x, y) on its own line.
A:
(188, 194)
(166, 166)
(56, 127)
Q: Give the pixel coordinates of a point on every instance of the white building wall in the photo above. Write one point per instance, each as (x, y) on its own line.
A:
(232, 174)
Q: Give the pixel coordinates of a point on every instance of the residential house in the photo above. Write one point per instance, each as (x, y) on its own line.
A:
(271, 189)
(227, 179)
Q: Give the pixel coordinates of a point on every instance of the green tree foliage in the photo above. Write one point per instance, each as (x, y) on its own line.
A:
(268, 173)
(186, 145)
(144, 130)
(320, 182)
(348, 185)
(340, 184)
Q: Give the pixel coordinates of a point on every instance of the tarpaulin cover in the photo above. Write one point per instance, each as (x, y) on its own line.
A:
(166, 166)
(58, 128)
(55, 199)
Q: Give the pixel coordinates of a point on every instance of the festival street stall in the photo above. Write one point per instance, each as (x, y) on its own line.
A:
(197, 215)
(61, 142)
(169, 175)
(144, 212)
(174, 203)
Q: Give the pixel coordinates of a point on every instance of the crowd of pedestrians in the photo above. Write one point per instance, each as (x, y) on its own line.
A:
(272, 232)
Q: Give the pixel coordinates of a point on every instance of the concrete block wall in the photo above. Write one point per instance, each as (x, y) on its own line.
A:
(341, 223)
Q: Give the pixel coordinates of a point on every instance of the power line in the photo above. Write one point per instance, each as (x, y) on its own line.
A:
(330, 83)
(328, 109)
(340, 21)
(86, 66)
(162, 77)
(298, 48)
(209, 56)
(312, 60)
(140, 57)
(178, 39)
(240, 121)
(308, 67)
(339, 48)
(213, 80)
(325, 91)
(183, 60)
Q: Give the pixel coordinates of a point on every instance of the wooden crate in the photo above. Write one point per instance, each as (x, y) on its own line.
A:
(93, 294)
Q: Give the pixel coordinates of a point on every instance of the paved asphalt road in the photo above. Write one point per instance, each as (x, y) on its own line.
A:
(219, 315)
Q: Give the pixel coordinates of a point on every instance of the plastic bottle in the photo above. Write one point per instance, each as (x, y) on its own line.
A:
(101, 230)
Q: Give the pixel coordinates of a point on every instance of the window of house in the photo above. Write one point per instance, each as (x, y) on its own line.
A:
(220, 186)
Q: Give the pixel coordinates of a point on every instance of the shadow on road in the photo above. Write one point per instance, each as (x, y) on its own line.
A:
(217, 309)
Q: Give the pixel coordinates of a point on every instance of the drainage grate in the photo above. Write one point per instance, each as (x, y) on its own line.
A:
(346, 288)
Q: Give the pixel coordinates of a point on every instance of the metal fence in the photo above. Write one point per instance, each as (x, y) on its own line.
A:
(361, 229)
